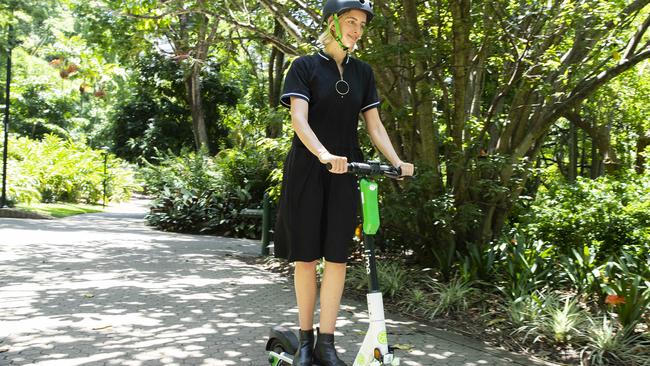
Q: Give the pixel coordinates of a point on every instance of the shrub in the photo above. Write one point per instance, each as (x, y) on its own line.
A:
(608, 215)
(455, 296)
(417, 301)
(199, 193)
(580, 270)
(54, 169)
(525, 309)
(607, 344)
(525, 265)
(558, 322)
(393, 277)
(628, 289)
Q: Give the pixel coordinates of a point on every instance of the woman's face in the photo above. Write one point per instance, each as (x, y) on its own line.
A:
(352, 23)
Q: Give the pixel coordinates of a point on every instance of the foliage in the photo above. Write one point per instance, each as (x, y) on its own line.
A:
(525, 309)
(156, 114)
(54, 170)
(431, 222)
(198, 193)
(393, 277)
(141, 125)
(525, 264)
(560, 322)
(607, 344)
(184, 210)
(417, 301)
(629, 288)
(480, 264)
(452, 297)
(607, 215)
(580, 269)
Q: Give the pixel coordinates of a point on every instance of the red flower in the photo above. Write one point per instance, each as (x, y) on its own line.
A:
(614, 300)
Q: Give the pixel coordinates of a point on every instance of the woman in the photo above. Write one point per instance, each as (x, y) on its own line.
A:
(316, 218)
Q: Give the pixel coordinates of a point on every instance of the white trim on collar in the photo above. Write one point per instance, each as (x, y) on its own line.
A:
(328, 58)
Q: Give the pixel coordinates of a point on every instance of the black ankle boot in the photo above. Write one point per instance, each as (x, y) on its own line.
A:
(325, 353)
(303, 356)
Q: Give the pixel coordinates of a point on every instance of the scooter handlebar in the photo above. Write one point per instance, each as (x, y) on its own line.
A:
(372, 168)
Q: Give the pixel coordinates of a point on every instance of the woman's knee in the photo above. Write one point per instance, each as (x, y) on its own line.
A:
(306, 265)
(335, 265)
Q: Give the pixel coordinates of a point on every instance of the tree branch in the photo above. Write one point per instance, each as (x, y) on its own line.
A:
(634, 41)
(587, 87)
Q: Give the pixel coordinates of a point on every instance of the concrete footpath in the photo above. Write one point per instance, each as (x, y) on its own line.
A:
(105, 289)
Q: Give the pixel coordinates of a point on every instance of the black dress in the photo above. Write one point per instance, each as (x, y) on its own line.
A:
(317, 209)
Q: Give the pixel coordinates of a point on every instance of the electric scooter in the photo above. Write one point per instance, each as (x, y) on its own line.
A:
(374, 351)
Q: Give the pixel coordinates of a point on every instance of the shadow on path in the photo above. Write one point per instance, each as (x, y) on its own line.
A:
(104, 289)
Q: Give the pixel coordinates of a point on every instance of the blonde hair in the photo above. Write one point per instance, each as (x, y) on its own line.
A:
(326, 37)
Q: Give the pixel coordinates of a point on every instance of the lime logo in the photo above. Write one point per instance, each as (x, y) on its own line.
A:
(381, 337)
(372, 187)
(360, 360)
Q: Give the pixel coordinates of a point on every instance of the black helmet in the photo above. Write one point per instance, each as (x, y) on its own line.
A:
(338, 6)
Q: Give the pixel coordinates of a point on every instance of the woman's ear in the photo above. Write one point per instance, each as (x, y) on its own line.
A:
(331, 26)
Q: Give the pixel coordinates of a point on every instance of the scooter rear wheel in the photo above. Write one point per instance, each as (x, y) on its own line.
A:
(276, 346)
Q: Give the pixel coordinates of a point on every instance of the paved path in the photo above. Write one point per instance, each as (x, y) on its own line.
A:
(104, 289)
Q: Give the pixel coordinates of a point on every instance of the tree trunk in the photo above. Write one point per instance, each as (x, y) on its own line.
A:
(603, 156)
(461, 27)
(573, 153)
(195, 100)
(275, 71)
(641, 144)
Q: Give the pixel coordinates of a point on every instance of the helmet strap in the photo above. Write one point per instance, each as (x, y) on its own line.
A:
(339, 36)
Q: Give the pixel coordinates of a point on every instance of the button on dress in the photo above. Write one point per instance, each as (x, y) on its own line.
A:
(318, 209)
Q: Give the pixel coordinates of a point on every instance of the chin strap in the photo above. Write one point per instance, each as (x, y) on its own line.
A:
(339, 35)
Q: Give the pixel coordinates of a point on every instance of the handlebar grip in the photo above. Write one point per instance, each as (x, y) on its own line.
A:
(371, 169)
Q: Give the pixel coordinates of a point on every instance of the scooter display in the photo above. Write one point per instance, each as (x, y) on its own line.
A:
(374, 351)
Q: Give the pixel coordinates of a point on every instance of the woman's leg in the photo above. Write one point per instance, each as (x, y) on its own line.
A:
(304, 278)
(331, 290)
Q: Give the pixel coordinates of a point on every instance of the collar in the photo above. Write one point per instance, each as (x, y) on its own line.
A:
(327, 57)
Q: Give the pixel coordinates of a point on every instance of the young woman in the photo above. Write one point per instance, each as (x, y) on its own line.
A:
(326, 92)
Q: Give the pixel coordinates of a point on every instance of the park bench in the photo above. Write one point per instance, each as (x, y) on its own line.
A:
(264, 214)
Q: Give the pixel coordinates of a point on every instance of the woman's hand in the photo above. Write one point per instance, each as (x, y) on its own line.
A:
(407, 168)
(339, 163)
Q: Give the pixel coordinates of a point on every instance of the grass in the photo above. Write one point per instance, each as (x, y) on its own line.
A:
(60, 210)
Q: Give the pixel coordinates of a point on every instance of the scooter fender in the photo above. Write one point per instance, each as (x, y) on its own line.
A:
(285, 336)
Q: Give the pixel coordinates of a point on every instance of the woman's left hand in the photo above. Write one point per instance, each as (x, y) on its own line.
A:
(407, 168)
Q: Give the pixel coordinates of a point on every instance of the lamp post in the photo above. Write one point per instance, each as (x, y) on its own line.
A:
(105, 183)
(3, 200)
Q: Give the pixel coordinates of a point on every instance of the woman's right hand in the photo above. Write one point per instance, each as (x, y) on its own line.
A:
(339, 163)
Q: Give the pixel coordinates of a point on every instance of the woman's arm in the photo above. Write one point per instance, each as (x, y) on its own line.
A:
(380, 139)
(299, 113)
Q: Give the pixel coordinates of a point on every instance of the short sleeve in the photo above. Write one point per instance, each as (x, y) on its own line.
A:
(296, 83)
(370, 98)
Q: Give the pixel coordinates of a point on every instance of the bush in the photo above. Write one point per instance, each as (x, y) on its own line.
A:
(199, 193)
(608, 215)
(62, 170)
(452, 297)
(558, 322)
(607, 344)
(393, 277)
